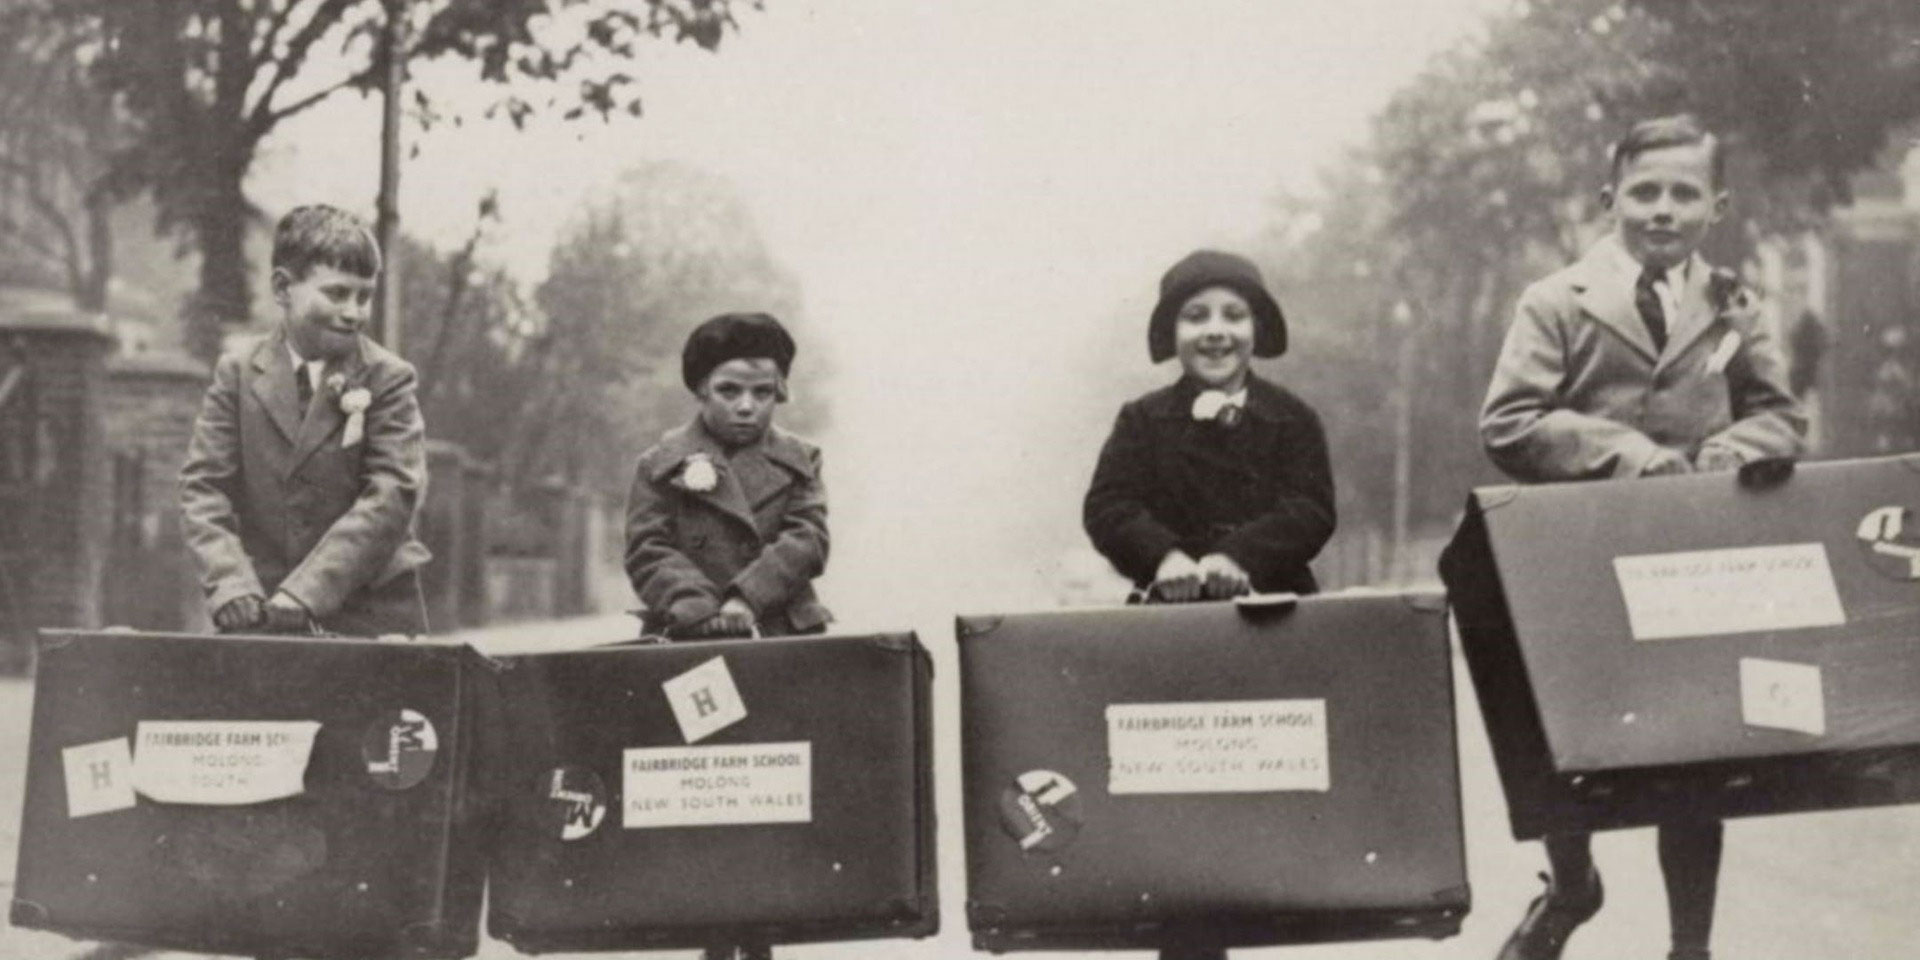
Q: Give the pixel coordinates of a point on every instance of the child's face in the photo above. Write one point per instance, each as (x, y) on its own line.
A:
(737, 401)
(1213, 337)
(324, 310)
(1666, 200)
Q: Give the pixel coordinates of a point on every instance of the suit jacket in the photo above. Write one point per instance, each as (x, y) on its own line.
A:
(761, 533)
(271, 500)
(1260, 492)
(1580, 393)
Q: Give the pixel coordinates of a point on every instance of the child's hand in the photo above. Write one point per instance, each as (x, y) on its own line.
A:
(1179, 579)
(1666, 463)
(1224, 577)
(735, 619)
(240, 613)
(287, 615)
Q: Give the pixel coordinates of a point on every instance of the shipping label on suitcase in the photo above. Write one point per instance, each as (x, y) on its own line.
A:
(678, 795)
(1686, 647)
(1211, 774)
(262, 796)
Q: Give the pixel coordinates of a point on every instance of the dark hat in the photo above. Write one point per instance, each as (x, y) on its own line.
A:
(1212, 268)
(734, 336)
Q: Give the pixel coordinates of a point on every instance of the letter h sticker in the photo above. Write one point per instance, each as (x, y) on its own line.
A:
(705, 700)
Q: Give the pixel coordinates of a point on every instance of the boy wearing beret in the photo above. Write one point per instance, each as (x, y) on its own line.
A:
(1639, 360)
(727, 516)
(308, 459)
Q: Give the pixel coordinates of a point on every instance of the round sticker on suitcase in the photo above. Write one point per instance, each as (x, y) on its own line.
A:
(1891, 538)
(399, 749)
(573, 801)
(1041, 811)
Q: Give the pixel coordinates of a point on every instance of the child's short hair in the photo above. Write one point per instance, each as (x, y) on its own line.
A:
(318, 234)
(1678, 130)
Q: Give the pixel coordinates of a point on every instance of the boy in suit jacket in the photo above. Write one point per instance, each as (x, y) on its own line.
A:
(1639, 360)
(308, 461)
(727, 516)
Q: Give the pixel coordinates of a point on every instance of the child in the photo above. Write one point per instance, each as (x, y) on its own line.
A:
(1218, 484)
(727, 517)
(308, 458)
(1639, 360)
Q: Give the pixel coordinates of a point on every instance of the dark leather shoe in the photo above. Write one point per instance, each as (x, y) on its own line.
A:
(1550, 920)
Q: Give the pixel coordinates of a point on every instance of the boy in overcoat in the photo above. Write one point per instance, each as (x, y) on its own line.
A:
(1639, 360)
(307, 464)
(727, 515)
(1217, 484)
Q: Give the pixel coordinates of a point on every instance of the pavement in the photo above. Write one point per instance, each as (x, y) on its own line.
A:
(1796, 887)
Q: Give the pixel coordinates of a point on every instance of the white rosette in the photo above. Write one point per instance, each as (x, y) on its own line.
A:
(699, 474)
(354, 404)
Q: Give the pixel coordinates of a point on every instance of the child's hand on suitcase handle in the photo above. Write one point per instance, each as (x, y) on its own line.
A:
(241, 613)
(1178, 580)
(1225, 578)
(735, 619)
(285, 614)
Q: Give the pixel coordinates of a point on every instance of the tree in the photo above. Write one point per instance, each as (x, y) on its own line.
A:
(57, 192)
(207, 81)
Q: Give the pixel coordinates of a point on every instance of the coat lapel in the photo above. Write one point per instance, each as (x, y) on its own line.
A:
(1696, 310)
(1604, 289)
(729, 495)
(272, 382)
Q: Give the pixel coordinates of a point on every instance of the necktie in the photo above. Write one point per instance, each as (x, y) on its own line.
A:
(1652, 313)
(305, 383)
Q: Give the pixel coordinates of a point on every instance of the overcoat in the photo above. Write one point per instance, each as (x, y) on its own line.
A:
(272, 499)
(1260, 492)
(760, 533)
(1579, 391)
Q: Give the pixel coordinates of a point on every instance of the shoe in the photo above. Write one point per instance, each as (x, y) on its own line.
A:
(1689, 953)
(1550, 920)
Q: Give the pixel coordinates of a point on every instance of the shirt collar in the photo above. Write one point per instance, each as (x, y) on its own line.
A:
(312, 368)
(1675, 276)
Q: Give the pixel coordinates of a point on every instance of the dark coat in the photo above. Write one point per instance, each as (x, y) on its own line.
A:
(1260, 492)
(760, 534)
(270, 498)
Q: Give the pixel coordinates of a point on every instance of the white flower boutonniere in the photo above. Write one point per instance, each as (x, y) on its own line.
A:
(698, 474)
(354, 404)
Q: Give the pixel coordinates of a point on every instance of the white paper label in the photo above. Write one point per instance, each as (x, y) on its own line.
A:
(1785, 696)
(705, 700)
(712, 786)
(222, 762)
(99, 777)
(1246, 746)
(1706, 592)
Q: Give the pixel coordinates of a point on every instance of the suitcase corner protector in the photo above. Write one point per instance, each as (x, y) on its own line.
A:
(967, 627)
(26, 913)
(907, 642)
(54, 639)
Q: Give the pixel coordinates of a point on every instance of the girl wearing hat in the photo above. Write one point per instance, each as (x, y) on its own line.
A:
(1217, 484)
(727, 516)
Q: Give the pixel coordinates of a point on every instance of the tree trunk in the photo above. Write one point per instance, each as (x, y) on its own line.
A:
(223, 298)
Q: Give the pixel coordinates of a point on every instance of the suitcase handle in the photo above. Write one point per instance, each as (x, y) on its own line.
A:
(1764, 473)
(1246, 603)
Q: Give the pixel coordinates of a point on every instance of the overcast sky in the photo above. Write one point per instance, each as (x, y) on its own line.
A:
(964, 191)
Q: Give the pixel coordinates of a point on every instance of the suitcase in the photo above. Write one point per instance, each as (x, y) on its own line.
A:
(1211, 774)
(1699, 646)
(260, 796)
(663, 796)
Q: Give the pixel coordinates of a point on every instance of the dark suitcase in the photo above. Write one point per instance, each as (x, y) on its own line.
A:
(366, 847)
(1211, 774)
(1660, 649)
(781, 793)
